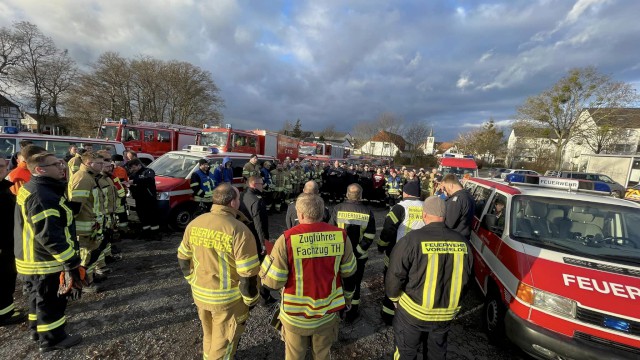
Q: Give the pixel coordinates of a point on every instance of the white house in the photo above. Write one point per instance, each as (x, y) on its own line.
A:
(9, 113)
(385, 143)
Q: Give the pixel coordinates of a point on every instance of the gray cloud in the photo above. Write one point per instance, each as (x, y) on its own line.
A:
(333, 62)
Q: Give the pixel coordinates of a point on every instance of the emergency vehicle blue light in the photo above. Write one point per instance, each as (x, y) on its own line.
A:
(123, 121)
(214, 150)
(600, 186)
(515, 178)
(617, 324)
(10, 130)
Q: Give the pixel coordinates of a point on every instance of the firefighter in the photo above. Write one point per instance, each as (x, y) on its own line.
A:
(314, 263)
(252, 168)
(142, 185)
(88, 203)
(428, 272)
(404, 217)
(267, 189)
(425, 184)
(21, 174)
(202, 184)
(365, 179)
(253, 207)
(120, 178)
(288, 188)
(44, 224)
(360, 225)
(394, 188)
(297, 178)
(219, 259)
(291, 219)
(8, 312)
(317, 173)
(280, 181)
(76, 161)
(110, 203)
(460, 206)
(335, 178)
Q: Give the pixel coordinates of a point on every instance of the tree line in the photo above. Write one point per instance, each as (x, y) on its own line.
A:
(37, 74)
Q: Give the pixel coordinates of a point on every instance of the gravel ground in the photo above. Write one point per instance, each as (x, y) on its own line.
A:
(146, 312)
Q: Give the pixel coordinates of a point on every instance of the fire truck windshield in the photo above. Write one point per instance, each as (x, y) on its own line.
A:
(596, 230)
(174, 165)
(108, 132)
(307, 150)
(458, 171)
(217, 139)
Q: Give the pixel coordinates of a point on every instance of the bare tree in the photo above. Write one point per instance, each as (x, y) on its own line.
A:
(560, 108)
(38, 52)
(329, 132)
(59, 77)
(362, 134)
(10, 54)
(484, 142)
(416, 135)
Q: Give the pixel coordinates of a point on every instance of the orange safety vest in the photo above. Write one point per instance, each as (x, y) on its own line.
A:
(313, 291)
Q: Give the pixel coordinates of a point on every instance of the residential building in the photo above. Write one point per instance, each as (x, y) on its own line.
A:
(9, 113)
(385, 143)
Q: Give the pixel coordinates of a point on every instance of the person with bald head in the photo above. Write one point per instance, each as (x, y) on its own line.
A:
(360, 224)
(310, 187)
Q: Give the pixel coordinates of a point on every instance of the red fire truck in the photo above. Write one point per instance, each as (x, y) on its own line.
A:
(559, 264)
(261, 142)
(153, 138)
(333, 150)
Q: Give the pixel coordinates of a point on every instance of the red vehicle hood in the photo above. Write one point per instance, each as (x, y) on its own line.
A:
(164, 183)
(615, 291)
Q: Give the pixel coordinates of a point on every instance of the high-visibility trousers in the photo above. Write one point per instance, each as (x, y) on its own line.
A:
(222, 330)
(46, 309)
(296, 341)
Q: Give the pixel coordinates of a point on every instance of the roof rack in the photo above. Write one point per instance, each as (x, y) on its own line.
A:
(571, 185)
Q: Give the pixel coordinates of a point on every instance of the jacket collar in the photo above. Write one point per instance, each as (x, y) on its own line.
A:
(229, 211)
(58, 186)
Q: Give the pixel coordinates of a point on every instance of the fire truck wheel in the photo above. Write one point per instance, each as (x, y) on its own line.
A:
(180, 217)
(493, 319)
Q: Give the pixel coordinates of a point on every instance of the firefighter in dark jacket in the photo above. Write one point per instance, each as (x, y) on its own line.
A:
(460, 206)
(428, 272)
(202, 184)
(310, 187)
(253, 207)
(142, 185)
(404, 217)
(360, 224)
(335, 178)
(8, 312)
(49, 248)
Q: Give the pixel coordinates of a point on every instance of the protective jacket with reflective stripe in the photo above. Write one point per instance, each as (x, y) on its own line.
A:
(44, 224)
(222, 255)
(404, 217)
(310, 261)
(249, 170)
(428, 272)
(84, 189)
(394, 185)
(358, 220)
(202, 185)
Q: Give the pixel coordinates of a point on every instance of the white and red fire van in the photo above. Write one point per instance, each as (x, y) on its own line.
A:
(560, 267)
(173, 179)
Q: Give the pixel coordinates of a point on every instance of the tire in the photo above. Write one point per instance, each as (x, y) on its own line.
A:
(616, 194)
(180, 217)
(494, 311)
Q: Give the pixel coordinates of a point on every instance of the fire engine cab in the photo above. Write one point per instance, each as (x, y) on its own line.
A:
(173, 180)
(559, 264)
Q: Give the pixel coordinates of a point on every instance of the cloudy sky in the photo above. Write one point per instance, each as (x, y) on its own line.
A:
(452, 64)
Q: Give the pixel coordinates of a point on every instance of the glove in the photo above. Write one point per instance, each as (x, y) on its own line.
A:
(344, 311)
(71, 283)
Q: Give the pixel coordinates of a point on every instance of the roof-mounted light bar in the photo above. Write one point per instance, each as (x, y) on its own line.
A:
(571, 185)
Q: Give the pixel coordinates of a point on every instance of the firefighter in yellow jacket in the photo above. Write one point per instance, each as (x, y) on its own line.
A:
(314, 263)
(219, 258)
(87, 200)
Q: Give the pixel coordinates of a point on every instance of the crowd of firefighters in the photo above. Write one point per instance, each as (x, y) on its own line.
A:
(68, 214)
(59, 220)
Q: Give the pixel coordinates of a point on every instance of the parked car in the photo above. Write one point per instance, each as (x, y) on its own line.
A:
(633, 193)
(617, 190)
(503, 176)
(496, 172)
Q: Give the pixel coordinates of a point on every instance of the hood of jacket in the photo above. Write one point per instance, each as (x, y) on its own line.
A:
(225, 161)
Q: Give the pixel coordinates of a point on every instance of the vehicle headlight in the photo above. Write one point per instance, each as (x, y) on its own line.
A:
(546, 301)
(163, 196)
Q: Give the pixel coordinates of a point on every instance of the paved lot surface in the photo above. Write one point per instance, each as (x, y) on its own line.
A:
(146, 312)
